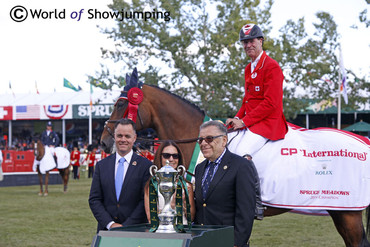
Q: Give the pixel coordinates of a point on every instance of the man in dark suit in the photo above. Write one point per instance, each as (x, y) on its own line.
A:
(224, 185)
(117, 190)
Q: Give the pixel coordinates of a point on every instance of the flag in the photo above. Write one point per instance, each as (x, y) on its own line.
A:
(69, 85)
(27, 112)
(10, 87)
(343, 86)
(6, 113)
(37, 91)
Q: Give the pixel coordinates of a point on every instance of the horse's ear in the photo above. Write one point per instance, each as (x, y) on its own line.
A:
(132, 81)
(127, 79)
(134, 78)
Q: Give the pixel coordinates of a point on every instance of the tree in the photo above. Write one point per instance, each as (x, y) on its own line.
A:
(198, 47)
(311, 66)
(197, 53)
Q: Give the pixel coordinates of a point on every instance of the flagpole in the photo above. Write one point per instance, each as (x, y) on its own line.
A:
(339, 103)
(339, 92)
(90, 117)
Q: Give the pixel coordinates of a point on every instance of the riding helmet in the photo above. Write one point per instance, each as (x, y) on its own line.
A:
(250, 31)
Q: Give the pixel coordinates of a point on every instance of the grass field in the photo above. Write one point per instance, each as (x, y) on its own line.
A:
(59, 219)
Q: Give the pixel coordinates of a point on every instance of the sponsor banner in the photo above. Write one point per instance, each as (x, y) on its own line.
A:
(56, 112)
(316, 169)
(6, 113)
(98, 111)
(27, 112)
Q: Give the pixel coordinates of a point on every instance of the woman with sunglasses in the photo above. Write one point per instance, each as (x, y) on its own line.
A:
(169, 151)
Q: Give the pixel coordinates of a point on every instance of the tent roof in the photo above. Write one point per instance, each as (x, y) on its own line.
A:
(359, 126)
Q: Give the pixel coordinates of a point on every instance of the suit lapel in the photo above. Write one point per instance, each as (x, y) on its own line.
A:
(110, 169)
(261, 62)
(198, 178)
(221, 171)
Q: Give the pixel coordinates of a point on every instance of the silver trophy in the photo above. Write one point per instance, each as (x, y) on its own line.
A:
(166, 178)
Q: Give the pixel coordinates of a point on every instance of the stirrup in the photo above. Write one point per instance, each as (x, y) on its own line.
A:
(259, 213)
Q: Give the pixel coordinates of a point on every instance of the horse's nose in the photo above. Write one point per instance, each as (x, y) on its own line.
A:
(106, 146)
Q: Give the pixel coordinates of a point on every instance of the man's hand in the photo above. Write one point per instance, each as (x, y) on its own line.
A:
(234, 123)
(115, 225)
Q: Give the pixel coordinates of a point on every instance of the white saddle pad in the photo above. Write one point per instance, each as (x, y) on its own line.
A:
(47, 163)
(320, 169)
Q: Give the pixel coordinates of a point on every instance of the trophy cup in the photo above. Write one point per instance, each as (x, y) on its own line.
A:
(166, 178)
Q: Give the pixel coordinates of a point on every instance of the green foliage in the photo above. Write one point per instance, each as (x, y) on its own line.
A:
(197, 53)
(310, 64)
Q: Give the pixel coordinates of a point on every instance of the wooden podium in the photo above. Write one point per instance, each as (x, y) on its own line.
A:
(139, 236)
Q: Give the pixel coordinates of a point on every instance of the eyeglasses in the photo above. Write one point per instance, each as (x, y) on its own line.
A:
(208, 139)
(167, 156)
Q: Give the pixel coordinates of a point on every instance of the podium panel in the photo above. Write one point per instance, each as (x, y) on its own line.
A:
(139, 236)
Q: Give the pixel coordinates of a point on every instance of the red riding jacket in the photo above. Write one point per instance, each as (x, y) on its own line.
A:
(262, 107)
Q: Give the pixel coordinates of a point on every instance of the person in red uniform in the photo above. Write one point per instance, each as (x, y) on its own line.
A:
(75, 161)
(261, 114)
(90, 159)
(103, 154)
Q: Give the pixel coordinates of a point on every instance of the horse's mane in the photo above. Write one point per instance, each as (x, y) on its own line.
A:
(177, 96)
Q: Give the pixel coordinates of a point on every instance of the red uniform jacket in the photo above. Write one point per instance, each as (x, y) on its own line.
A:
(262, 108)
(75, 158)
(103, 155)
(90, 158)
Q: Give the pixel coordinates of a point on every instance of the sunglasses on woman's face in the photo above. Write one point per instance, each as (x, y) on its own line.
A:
(167, 156)
(208, 139)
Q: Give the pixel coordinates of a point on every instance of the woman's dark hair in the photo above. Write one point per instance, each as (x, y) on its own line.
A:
(158, 154)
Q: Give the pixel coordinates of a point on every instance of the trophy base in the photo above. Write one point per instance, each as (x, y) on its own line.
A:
(166, 222)
(166, 229)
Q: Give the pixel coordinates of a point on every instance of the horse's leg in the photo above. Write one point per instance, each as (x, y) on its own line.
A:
(350, 227)
(46, 183)
(40, 181)
(65, 179)
(270, 211)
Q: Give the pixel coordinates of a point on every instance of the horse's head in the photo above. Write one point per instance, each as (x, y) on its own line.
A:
(38, 149)
(132, 105)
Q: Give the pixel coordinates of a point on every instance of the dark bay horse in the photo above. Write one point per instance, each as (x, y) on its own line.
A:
(39, 150)
(175, 118)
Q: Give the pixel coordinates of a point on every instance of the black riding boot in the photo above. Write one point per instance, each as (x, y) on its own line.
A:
(259, 207)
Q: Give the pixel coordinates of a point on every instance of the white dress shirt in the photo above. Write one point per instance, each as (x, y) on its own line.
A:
(255, 62)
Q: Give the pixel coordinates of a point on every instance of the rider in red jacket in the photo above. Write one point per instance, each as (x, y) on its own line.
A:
(261, 113)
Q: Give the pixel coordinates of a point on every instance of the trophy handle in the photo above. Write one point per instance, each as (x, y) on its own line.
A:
(181, 170)
(153, 170)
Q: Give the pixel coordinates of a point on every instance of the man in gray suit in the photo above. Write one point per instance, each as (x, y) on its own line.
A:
(117, 190)
(224, 185)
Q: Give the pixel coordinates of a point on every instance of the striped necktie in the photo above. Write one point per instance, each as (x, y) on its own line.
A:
(119, 177)
(208, 178)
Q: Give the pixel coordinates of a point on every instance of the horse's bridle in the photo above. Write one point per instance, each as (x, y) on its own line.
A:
(132, 106)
